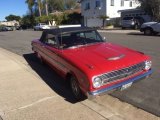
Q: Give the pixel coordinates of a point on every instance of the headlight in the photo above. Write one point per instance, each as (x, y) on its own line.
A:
(148, 65)
(132, 23)
(97, 82)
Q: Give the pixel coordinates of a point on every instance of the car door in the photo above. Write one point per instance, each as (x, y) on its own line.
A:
(156, 27)
(49, 48)
(52, 54)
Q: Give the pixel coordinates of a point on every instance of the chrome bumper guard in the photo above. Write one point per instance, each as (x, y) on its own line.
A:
(119, 85)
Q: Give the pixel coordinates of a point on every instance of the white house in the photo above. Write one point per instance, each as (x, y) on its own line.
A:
(10, 23)
(92, 9)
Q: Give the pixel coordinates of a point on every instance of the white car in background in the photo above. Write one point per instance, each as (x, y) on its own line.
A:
(41, 26)
(150, 28)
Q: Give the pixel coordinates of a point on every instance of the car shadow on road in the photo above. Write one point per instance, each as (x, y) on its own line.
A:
(50, 77)
(135, 33)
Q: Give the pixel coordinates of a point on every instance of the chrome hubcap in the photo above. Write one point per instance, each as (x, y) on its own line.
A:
(74, 86)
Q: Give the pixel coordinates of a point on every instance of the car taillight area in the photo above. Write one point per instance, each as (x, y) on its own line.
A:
(121, 74)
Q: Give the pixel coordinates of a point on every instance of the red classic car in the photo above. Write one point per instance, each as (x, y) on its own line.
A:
(91, 65)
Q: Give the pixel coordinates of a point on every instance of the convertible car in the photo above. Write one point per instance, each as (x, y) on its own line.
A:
(88, 63)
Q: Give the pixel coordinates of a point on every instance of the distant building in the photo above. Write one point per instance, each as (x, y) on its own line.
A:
(93, 9)
(10, 23)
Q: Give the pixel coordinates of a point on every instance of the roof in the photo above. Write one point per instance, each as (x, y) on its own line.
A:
(56, 31)
(73, 11)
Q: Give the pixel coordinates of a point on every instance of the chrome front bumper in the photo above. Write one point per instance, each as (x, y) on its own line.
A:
(119, 85)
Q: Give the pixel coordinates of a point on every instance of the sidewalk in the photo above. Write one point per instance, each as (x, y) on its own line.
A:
(25, 96)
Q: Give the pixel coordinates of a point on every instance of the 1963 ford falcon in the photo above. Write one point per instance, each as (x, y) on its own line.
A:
(91, 65)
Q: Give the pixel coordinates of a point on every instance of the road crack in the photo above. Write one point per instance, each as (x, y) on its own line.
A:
(32, 104)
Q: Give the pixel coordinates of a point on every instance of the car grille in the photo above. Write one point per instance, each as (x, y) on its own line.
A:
(122, 73)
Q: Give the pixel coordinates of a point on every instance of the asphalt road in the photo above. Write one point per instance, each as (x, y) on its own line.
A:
(144, 94)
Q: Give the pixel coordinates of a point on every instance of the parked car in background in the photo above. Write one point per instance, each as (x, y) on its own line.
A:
(132, 22)
(89, 64)
(2, 28)
(41, 26)
(9, 28)
(6, 28)
(150, 28)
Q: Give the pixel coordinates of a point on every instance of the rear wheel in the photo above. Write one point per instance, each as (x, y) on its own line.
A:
(75, 88)
(148, 31)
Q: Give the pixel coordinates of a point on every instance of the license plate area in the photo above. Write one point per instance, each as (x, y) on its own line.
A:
(125, 86)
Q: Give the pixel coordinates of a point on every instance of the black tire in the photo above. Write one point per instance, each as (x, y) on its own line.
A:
(123, 28)
(148, 31)
(76, 91)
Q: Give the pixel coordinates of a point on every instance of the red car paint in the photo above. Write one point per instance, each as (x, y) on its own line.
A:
(88, 61)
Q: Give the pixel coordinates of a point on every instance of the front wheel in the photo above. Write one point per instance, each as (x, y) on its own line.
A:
(75, 88)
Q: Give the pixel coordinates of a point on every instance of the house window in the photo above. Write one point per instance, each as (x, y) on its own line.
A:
(112, 2)
(98, 4)
(122, 2)
(130, 4)
(87, 7)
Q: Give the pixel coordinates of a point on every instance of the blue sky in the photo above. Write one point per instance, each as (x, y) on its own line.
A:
(15, 7)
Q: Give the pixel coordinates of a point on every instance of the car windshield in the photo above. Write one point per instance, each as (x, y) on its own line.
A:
(127, 18)
(78, 39)
(42, 23)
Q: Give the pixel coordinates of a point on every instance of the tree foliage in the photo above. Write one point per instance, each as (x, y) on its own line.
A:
(30, 4)
(152, 7)
(39, 11)
(26, 21)
(13, 17)
(61, 5)
(44, 19)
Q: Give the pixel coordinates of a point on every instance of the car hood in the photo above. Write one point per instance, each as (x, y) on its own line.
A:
(148, 23)
(103, 57)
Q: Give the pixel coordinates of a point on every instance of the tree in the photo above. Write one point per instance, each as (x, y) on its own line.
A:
(103, 17)
(61, 5)
(46, 7)
(70, 4)
(26, 22)
(40, 6)
(12, 17)
(55, 5)
(31, 3)
(152, 7)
